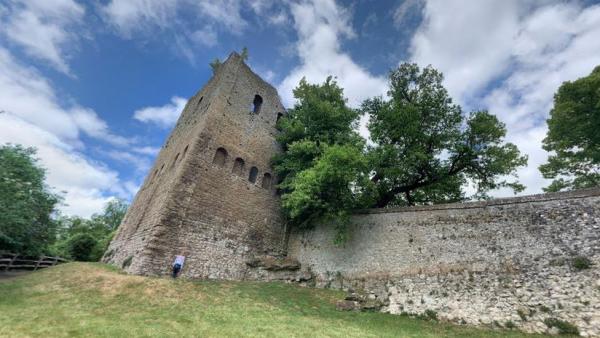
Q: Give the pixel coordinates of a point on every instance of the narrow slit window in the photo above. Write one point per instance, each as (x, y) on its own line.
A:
(257, 104)
(238, 167)
(185, 151)
(253, 175)
(175, 160)
(266, 181)
(220, 157)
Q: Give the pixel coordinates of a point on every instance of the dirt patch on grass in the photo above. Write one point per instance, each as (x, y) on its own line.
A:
(85, 277)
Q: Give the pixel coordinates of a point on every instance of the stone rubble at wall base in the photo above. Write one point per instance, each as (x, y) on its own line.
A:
(502, 263)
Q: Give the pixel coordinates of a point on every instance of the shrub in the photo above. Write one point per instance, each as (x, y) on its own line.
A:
(545, 309)
(431, 314)
(509, 324)
(522, 314)
(81, 247)
(102, 246)
(562, 326)
(581, 263)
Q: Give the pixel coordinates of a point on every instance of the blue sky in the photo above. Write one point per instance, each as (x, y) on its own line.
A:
(97, 85)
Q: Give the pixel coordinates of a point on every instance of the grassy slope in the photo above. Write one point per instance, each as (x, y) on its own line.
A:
(79, 299)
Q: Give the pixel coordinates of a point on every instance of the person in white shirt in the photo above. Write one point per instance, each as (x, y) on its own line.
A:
(178, 265)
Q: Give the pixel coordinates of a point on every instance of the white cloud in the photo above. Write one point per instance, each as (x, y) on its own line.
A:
(278, 18)
(131, 17)
(163, 116)
(152, 151)
(33, 117)
(470, 42)
(224, 12)
(84, 182)
(140, 163)
(42, 28)
(27, 94)
(205, 36)
(321, 25)
(510, 57)
(87, 120)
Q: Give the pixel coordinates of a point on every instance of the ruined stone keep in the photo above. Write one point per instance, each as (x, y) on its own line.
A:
(211, 197)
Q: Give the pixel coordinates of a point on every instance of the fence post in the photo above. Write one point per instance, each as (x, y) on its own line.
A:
(37, 264)
(14, 256)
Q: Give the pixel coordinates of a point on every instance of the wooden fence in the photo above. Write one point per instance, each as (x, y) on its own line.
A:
(10, 261)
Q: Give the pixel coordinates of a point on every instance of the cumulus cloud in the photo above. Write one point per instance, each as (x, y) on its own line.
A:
(140, 163)
(146, 150)
(163, 116)
(321, 26)
(470, 42)
(510, 58)
(33, 117)
(83, 182)
(27, 94)
(142, 17)
(42, 28)
(128, 16)
(205, 36)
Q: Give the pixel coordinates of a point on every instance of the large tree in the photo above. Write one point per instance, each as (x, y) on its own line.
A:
(427, 151)
(574, 135)
(26, 204)
(322, 167)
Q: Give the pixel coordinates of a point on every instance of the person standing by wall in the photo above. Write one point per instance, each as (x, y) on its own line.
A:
(178, 265)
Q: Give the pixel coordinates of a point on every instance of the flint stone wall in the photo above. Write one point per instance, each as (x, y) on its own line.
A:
(493, 262)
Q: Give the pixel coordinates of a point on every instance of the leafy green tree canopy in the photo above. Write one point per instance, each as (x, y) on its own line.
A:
(71, 242)
(323, 165)
(427, 151)
(574, 135)
(26, 203)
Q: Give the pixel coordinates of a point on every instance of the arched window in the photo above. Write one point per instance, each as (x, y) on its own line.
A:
(257, 103)
(266, 181)
(253, 174)
(220, 157)
(238, 166)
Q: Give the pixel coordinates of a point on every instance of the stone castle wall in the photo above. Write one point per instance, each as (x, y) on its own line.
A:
(508, 260)
(211, 194)
(211, 197)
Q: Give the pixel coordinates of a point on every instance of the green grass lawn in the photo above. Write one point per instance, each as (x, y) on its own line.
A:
(79, 299)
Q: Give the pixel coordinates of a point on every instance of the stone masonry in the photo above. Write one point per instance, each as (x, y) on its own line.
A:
(211, 196)
(514, 261)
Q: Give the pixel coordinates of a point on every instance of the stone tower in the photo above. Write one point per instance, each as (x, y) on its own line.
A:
(211, 192)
